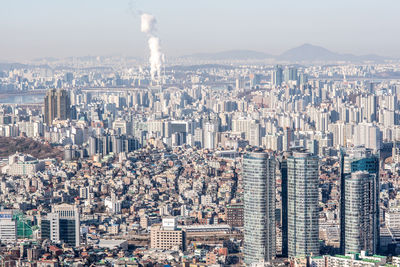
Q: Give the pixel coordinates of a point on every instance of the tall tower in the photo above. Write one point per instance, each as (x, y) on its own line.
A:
(353, 160)
(284, 209)
(372, 108)
(360, 206)
(290, 74)
(56, 105)
(287, 138)
(259, 207)
(303, 206)
(277, 76)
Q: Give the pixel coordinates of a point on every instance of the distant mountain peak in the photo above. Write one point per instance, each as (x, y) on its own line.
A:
(307, 45)
(310, 52)
(304, 53)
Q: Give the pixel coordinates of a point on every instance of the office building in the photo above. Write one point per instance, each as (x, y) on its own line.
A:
(56, 105)
(8, 227)
(69, 223)
(23, 165)
(167, 236)
(303, 206)
(50, 227)
(259, 207)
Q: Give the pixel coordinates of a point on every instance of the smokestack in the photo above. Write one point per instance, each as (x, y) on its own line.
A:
(148, 23)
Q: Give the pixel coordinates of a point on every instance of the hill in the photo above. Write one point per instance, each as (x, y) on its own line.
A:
(308, 52)
(302, 53)
(230, 55)
(9, 146)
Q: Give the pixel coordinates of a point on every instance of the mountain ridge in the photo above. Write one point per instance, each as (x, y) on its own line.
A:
(305, 52)
(229, 54)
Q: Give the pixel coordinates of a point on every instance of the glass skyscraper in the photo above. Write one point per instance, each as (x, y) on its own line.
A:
(277, 76)
(284, 208)
(354, 160)
(303, 206)
(259, 207)
(360, 206)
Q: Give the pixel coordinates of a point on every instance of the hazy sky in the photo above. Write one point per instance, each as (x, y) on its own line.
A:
(59, 28)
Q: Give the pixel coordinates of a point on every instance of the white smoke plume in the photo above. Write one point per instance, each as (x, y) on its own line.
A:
(148, 23)
(156, 56)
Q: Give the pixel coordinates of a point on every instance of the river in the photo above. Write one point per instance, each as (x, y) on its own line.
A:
(22, 99)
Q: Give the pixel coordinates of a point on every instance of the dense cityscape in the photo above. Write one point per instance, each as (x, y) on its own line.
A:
(114, 155)
(210, 165)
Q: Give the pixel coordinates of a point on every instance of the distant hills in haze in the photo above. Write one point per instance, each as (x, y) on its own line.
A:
(305, 52)
(308, 52)
(231, 54)
(10, 66)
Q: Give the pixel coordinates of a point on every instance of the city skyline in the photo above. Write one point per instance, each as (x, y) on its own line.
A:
(212, 164)
(101, 28)
(199, 133)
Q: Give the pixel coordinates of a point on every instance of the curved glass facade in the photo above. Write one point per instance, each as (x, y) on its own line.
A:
(259, 207)
(353, 160)
(360, 205)
(303, 206)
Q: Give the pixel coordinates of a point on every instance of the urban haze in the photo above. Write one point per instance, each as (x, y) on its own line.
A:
(199, 133)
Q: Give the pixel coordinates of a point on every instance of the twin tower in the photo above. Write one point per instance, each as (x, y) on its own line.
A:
(300, 204)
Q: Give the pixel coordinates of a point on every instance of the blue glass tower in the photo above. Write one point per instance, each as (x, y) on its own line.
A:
(259, 207)
(354, 160)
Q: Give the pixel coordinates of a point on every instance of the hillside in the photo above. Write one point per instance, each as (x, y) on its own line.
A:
(9, 146)
(308, 52)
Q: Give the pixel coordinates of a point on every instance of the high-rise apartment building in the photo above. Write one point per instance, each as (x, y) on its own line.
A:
(353, 160)
(287, 138)
(259, 207)
(290, 74)
(284, 203)
(255, 79)
(303, 205)
(277, 76)
(56, 105)
(360, 206)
